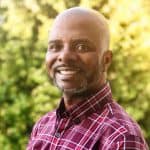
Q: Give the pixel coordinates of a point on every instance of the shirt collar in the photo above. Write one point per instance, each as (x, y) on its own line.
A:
(92, 104)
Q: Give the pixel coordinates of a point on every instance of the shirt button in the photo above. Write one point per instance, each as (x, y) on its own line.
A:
(66, 114)
(77, 121)
(57, 134)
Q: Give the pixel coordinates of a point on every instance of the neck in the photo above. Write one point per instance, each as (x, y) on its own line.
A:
(71, 100)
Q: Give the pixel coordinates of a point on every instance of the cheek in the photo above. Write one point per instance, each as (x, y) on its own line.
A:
(91, 61)
(50, 59)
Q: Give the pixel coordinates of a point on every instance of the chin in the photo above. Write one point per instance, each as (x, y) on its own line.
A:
(74, 90)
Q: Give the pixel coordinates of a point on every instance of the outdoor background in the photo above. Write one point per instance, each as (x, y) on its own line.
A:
(25, 92)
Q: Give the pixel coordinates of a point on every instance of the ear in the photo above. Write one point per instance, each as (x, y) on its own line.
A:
(107, 59)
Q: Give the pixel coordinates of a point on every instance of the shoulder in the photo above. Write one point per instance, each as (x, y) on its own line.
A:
(45, 121)
(120, 130)
(119, 119)
(114, 119)
(50, 116)
(125, 141)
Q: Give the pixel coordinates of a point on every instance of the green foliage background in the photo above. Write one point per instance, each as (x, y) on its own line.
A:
(25, 92)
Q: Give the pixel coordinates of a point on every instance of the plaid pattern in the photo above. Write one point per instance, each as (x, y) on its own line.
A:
(98, 123)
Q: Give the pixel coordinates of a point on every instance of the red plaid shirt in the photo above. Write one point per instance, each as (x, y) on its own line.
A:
(98, 123)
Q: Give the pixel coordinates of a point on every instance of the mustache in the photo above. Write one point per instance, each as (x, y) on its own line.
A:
(73, 66)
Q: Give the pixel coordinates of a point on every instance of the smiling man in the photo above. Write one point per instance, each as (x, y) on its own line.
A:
(87, 118)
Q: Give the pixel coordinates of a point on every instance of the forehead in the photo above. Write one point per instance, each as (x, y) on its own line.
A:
(75, 27)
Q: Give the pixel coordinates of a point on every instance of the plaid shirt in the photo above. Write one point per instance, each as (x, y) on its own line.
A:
(98, 123)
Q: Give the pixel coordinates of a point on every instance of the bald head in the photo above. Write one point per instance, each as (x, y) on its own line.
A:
(84, 17)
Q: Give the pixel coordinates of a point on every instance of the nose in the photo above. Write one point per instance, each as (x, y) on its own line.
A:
(67, 55)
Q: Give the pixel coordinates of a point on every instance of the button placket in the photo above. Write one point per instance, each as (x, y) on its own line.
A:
(61, 125)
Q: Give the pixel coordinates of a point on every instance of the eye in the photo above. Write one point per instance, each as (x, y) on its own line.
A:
(82, 47)
(54, 47)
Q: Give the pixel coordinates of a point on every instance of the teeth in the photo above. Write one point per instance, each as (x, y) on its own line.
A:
(67, 72)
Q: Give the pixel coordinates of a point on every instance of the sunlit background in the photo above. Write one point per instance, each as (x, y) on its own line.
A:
(25, 91)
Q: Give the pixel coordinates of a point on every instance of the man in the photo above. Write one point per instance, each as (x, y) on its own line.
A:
(87, 118)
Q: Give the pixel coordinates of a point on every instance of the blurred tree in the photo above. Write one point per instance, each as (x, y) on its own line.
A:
(26, 94)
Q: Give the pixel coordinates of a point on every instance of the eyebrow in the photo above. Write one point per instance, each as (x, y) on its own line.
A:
(85, 41)
(54, 41)
(72, 41)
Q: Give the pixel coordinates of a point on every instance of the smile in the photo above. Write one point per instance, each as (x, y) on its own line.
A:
(67, 71)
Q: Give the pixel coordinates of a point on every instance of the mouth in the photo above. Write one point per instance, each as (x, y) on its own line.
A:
(67, 71)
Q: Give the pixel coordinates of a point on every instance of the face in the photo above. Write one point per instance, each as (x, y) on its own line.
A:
(74, 57)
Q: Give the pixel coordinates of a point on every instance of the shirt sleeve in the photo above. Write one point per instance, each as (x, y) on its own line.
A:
(32, 136)
(125, 142)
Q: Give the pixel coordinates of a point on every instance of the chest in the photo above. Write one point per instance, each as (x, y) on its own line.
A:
(69, 135)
